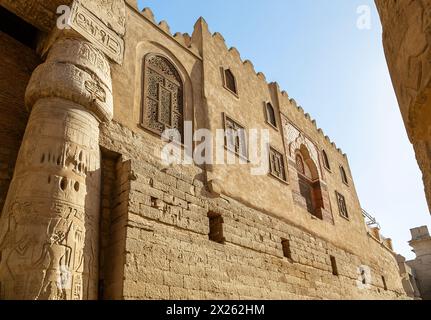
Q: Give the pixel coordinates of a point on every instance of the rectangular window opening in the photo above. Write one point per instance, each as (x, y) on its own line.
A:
(153, 202)
(276, 164)
(342, 205)
(216, 228)
(286, 248)
(236, 138)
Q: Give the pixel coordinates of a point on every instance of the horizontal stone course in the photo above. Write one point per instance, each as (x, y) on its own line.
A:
(175, 202)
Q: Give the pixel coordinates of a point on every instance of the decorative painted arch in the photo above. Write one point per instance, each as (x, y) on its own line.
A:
(313, 172)
(309, 153)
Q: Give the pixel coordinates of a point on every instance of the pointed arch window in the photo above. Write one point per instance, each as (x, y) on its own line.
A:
(344, 175)
(270, 115)
(309, 189)
(163, 102)
(300, 164)
(230, 81)
(326, 163)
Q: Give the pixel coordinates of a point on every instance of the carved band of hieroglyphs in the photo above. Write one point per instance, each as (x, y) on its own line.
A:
(90, 27)
(50, 79)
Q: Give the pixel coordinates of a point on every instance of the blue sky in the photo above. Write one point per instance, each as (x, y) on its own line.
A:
(338, 74)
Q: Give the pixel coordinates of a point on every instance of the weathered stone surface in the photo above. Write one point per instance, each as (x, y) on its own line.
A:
(249, 265)
(273, 237)
(421, 244)
(49, 224)
(104, 30)
(406, 30)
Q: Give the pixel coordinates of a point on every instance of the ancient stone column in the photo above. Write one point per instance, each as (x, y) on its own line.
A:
(49, 224)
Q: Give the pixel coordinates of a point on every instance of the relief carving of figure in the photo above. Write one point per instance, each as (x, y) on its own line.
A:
(20, 243)
(56, 258)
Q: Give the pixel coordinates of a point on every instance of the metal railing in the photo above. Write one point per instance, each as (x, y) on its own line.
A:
(370, 220)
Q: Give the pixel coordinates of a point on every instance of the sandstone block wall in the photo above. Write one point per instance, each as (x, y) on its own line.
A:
(154, 237)
(16, 64)
(199, 60)
(168, 254)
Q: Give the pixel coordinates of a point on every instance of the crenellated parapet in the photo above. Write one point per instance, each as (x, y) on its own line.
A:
(251, 73)
(295, 107)
(183, 39)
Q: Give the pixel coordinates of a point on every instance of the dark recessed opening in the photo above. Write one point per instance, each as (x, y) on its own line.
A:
(18, 28)
(363, 277)
(286, 248)
(63, 184)
(153, 201)
(334, 266)
(216, 228)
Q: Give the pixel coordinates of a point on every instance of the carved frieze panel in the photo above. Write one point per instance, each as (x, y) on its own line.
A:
(46, 236)
(111, 12)
(86, 23)
(102, 22)
(163, 101)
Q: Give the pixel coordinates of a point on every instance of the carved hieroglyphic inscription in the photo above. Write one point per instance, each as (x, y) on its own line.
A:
(50, 222)
(49, 225)
(94, 30)
(112, 12)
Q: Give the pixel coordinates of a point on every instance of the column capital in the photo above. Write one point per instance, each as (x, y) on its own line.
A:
(74, 70)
